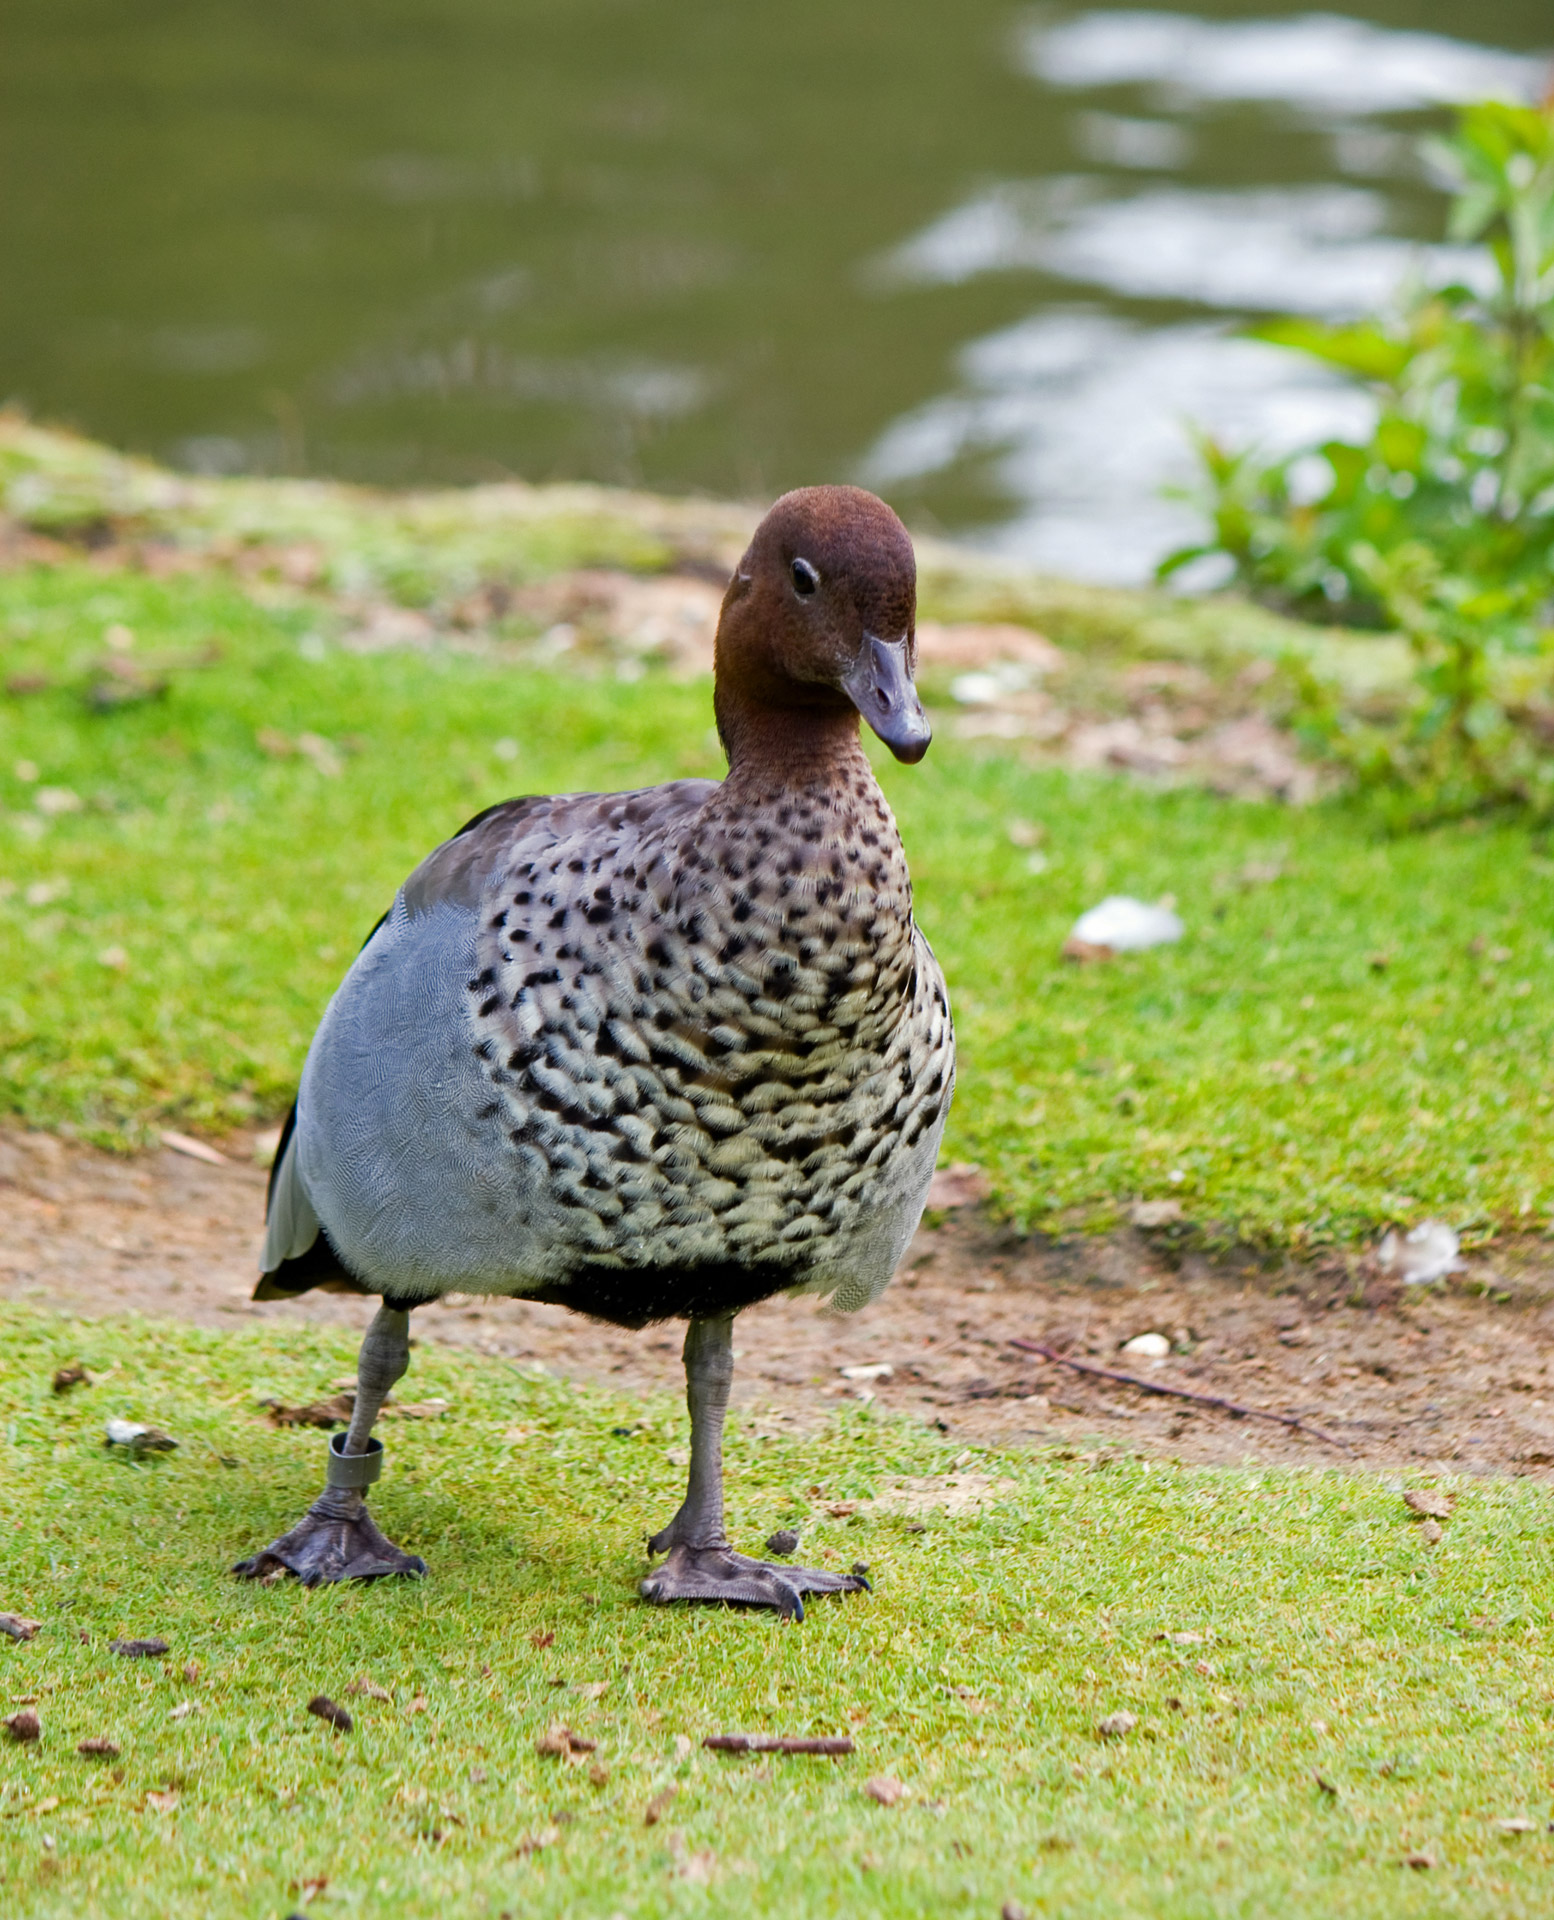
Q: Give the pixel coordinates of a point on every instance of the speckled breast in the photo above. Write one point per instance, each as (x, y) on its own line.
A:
(719, 1047)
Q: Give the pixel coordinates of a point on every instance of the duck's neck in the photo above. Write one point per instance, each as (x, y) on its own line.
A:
(784, 751)
(800, 819)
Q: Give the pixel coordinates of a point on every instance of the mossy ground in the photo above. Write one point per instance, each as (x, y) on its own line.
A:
(1265, 1628)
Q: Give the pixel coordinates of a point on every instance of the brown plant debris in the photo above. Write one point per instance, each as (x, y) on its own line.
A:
(192, 1149)
(333, 1412)
(323, 1708)
(1086, 952)
(1152, 1215)
(699, 1868)
(100, 1746)
(25, 1724)
(139, 1649)
(138, 1438)
(1428, 1504)
(370, 1688)
(75, 1375)
(1115, 1725)
(775, 1743)
(659, 1805)
(883, 1788)
(17, 1626)
(1232, 1407)
(561, 1743)
(537, 1842)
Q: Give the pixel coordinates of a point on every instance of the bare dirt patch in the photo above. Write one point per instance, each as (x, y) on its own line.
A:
(1458, 1377)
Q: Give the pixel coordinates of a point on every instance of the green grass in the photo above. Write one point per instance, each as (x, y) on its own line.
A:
(1332, 1641)
(1321, 1053)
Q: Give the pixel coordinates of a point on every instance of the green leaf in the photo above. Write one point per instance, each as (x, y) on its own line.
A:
(1401, 443)
(1349, 466)
(1365, 349)
(1181, 557)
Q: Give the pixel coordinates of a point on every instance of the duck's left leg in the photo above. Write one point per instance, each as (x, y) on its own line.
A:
(337, 1538)
(701, 1564)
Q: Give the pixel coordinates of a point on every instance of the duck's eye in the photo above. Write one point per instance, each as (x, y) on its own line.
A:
(805, 578)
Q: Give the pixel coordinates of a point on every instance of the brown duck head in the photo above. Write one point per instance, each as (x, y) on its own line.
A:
(820, 623)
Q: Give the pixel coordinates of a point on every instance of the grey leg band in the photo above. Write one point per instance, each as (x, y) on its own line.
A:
(338, 1539)
(355, 1459)
(353, 1469)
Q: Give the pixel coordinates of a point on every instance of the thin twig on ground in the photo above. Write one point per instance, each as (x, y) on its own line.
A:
(1233, 1407)
(773, 1743)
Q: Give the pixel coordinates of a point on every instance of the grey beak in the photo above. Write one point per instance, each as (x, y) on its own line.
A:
(880, 687)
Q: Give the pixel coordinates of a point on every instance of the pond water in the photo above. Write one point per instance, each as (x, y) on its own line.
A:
(984, 258)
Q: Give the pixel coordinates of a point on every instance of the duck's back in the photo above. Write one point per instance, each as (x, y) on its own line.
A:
(648, 1054)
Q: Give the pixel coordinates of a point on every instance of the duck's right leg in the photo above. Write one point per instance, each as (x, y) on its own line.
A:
(337, 1538)
(701, 1563)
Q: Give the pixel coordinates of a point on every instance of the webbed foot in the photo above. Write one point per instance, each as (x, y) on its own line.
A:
(719, 1574)
(337, 1539)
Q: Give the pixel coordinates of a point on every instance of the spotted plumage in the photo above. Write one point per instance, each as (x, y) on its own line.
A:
(660, 1053)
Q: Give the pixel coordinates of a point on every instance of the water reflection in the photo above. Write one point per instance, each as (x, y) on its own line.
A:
(1083, 414)
(1317, 249)
(1320, 63)
(987, 257)
(1118, 140)
(1080, 413)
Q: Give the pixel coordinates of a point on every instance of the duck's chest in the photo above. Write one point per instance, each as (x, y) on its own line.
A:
(716, 1049)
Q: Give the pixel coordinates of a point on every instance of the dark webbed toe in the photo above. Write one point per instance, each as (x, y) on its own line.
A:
(723, 1577)
(329, 1544)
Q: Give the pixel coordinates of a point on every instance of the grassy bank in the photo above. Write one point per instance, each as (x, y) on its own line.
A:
(1354, 1028)
(207, 795)
(1318, 1695)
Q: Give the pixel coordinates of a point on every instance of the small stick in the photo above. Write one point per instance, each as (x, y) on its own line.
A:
(773, 1743)
(1290, 1420)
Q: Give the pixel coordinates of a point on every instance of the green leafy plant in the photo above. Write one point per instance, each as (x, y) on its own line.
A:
(1440, 524)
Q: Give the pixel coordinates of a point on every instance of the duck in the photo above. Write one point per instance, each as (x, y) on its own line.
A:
(654, 1056)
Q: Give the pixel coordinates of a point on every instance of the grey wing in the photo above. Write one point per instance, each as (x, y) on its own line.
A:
(400, 1149)
(298, 1253)
(290, 1225)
